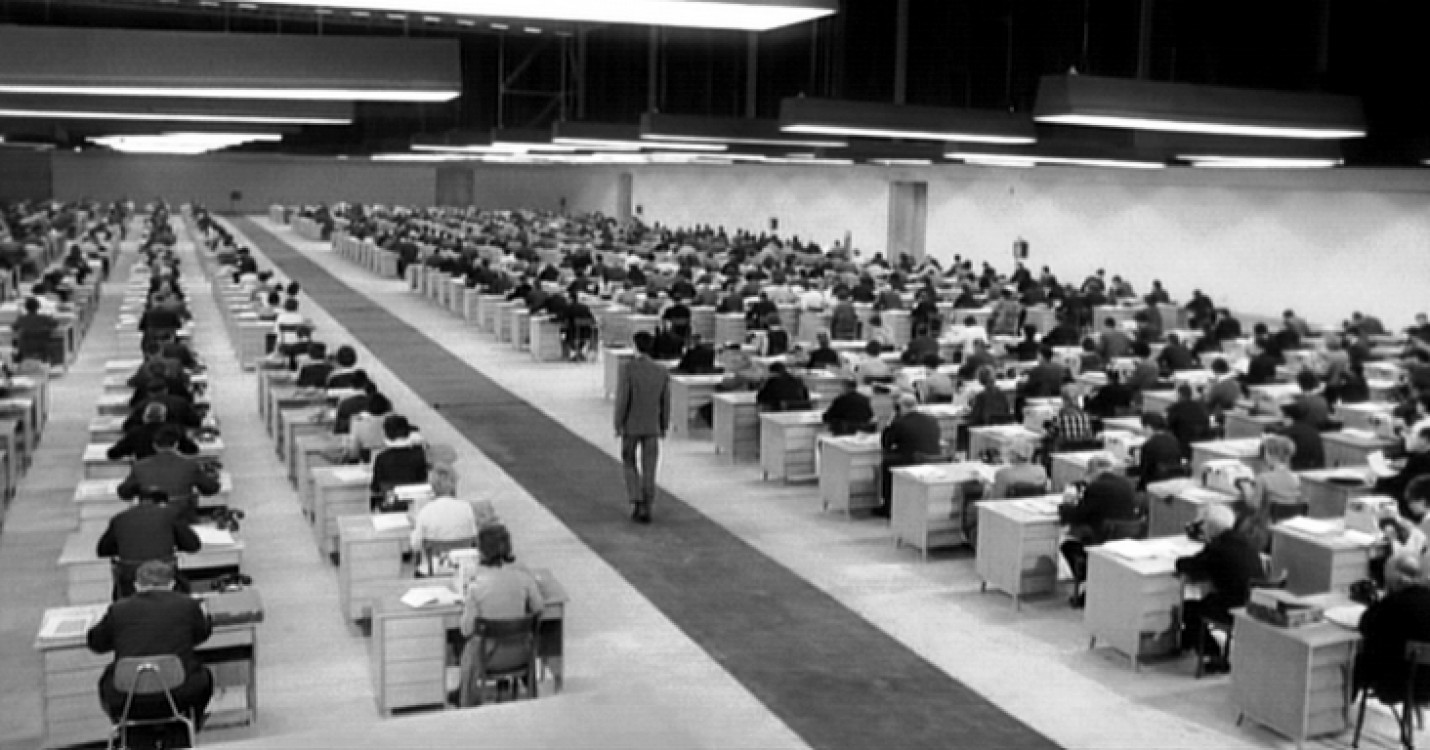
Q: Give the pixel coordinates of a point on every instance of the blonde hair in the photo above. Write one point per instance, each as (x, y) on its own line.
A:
(443, 479)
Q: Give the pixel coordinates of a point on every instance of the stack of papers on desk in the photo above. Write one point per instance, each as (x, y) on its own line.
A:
(1358, 434)
(1131, 549)
(352, 474)
(212, 536)
(390, 522)
(1355, 536)
(71, 622)
(1347, 616)
(1037, 506)
(430, 595)
(1313, 526)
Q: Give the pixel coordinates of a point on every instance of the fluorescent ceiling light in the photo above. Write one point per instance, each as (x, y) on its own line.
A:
(1020, 160)
(728, 130)
(636, 145)
(402, 156)
(180, 143)
(839, 117)
(284, 94)
(743, 141)
(1211, 128)
(1095, 101)
(743, 15)
(86, 61)
(173, 117)
(1243, 162)
(902, 162)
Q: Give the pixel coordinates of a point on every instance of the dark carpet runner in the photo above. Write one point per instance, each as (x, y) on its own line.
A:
(831, 676)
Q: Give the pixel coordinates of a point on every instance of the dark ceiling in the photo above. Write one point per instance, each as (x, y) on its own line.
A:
(974, 53)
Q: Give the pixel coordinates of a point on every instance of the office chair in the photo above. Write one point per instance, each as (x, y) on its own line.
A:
(1417, 655)
(148, 676)
(500, 652)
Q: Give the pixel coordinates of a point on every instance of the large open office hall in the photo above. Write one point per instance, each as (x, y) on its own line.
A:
(1022, 375)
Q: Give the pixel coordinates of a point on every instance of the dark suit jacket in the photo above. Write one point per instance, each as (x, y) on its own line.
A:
(139, 443)
(1416, 465)
(1045, 380)
(780, 389)
(314, 375)
(1107, 498)
(1229, 563)
(146, 532)
(1386, 626)
(1310, 448)
(181, 412)
(153, 623)
(1190, 421)
(398, 466)
(642, 399)
(848, 412)
(912, 433)
(179, 477)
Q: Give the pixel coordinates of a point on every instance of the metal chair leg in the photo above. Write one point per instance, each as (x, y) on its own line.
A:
(1360, 720)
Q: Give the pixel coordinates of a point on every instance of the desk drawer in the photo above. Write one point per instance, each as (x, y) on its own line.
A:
(409, 649)
(76, 682)
(419, 672)
(425, 627)
(72, 659)
(402, 696)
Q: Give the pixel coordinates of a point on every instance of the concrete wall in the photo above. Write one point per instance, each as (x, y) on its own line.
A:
(24, 174)
(263, 180)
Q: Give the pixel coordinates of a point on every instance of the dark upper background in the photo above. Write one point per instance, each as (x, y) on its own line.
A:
(974, 53)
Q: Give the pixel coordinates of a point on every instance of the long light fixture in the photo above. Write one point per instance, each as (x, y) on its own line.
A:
(1243, 162)
(1034, 159)
(727, 130)
(119, 108)
(1096, 101)
(876, 120)
(742, 15)
(180, 143)
(603, 136)
(182, 64)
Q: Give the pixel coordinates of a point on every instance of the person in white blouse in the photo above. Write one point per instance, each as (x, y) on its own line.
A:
(447, 518)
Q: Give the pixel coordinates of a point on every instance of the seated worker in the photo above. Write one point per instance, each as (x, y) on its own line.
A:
(823, 356)
(138, 443)
(1046, 378)
(1159, 458)
(699, 359)
(843, 319)
(850, 411)
(1020, 475)
(1028, 349)
(1107, 497)
(314, 372)
(911, 438)
(1400, 616)
(1227, 565)
(1144, 374)
(578, 328)
(180, 478)
(1261, 370)
(33, 331)
(149, 530)
(155, 621)
(291, 329)
(666, 345)
(366, 435)
(920, 348)
(936, 387)
(776, 341)
(1113, 343)
(1175, 356)
(1310, 450)
(402, 460)
(160, 319)
(870, 367)
(355, 403)
(158, 369)
(1112, 399)
(1277, 490)
(500, 590)
(1417, 463)
(782, 391)
(677, 317)
(1189, 420)
(177, 409)
(989, 406)
(345, 363)
(1070, 427)
(171, 347)
(1066, 333)
(758, 316)
(446, 518)
(1318, 412)
(976, 360)
(1224, 391)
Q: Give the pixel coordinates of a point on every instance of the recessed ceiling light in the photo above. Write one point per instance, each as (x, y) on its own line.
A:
(286, 94)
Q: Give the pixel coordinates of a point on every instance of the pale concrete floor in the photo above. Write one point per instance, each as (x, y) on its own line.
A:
(1034, 663)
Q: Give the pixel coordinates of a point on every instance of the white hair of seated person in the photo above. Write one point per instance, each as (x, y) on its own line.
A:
(1099, 463)
(1217, 519)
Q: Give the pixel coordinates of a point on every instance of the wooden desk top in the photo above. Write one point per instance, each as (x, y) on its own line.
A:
(1026, 510)
(1147, 557)
(80, 545)
(1330, 534)
(342, 476)
(793, 418)
(106, 490)
(1357, 439)
(387, 596)
(932, 474)
(365, 528)
(74, 622)
(1238, 448)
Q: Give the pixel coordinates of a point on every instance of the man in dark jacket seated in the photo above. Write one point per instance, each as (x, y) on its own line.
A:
(850, 412)
(1046, 378)
(699, 359)
(911, 438)
(824, 355)
(1107, 497)
(781, 390)
(1227, 564)
(151, 530)
(1401, 616)
(156, 621)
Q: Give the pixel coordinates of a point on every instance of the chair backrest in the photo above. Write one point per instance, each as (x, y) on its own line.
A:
(1026, 489)
(147, 675)
(800, 404)
(507, 646)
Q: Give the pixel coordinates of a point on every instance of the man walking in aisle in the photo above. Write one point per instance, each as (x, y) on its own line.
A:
(641, 418)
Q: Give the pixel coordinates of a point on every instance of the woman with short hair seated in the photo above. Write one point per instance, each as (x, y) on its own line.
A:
(499, 589)
(1020, 476)
(402, 461)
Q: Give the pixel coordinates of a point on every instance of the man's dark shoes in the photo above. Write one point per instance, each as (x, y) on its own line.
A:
(640, 513)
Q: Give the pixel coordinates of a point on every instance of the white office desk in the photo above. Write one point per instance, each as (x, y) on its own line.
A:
(928, 503)
(1018, 546)
(1134, 602)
